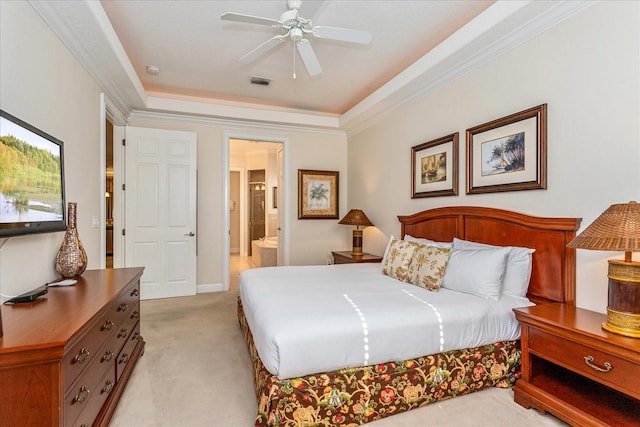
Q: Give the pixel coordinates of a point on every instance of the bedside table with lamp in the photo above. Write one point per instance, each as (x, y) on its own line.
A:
(583, 366)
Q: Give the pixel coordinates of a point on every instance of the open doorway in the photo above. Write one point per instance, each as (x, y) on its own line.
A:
(109, 195)
(254, 224)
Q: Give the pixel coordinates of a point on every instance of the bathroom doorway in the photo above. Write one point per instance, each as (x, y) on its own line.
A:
(254, 170)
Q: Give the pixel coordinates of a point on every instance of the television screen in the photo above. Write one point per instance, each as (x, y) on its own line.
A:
(31, 179)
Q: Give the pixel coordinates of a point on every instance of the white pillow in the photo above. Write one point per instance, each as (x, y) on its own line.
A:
(446, 245)
(477, 272)
(386, 250)
(519, 265)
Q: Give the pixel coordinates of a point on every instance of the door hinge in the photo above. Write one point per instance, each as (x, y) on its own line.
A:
(123, 187)
(123, 232)
(124, 142)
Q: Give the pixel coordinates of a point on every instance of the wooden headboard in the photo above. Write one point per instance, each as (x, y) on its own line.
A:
(553, 278)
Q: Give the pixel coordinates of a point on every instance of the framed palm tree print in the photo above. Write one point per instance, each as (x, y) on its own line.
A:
(508, 154)
(317, 194)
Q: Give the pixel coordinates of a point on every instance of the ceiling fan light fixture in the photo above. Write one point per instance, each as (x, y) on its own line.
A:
(295, 34)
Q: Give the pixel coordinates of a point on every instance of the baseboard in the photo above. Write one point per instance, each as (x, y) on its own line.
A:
(209, 287)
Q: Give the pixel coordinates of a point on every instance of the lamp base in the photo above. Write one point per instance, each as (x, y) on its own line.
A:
(356, 250)
(623, 308)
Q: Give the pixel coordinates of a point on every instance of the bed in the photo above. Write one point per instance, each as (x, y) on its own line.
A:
(376, 387)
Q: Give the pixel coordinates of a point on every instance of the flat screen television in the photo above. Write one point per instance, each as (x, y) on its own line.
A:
(32, 198)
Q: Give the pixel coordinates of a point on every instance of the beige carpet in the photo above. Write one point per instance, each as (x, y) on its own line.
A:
(196, 372)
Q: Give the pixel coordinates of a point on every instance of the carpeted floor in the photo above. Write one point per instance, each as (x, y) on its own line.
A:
(196, 372)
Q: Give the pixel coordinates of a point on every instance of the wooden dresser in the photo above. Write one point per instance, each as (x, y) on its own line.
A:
(66, 357)
(575, 370)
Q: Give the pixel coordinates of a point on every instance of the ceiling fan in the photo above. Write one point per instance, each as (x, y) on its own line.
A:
(295, 27)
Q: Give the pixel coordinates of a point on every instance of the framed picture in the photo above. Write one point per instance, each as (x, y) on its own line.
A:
(508, 154)
(317, 194)
(434, 168)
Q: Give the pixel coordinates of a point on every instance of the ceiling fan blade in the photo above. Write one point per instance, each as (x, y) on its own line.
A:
(343, 34)
(312, 8)
(249, 19)
(309, 57)
(262, 49)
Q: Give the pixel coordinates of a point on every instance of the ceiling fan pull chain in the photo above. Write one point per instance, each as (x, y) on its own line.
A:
(294, 60)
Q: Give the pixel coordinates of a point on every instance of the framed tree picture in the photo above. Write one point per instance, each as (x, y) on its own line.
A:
(508, 154)
(434, 168)
(317, 194)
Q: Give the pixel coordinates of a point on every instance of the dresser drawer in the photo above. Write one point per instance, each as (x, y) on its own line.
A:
(127, 351)
(83, 351)
(123, 331)
(97, 399)
(607, 369)
(82, 391)
(129, 298)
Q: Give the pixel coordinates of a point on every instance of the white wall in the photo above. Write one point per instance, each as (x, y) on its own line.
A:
(587, 70)
(310, 241)
(42, 84)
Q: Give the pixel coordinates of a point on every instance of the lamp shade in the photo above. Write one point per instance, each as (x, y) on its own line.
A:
(356, 217)
(616, 229)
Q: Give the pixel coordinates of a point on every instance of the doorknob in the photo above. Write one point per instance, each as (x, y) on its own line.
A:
(190, 234)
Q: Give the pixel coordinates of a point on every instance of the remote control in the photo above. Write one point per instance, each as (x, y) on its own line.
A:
(27, 296)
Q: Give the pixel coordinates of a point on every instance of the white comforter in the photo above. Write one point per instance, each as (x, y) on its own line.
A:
(312, 319)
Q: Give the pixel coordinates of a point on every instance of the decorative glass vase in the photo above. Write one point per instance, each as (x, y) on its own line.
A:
(71, 260)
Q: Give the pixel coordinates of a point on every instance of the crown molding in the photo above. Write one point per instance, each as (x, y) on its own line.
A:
(84, 28)
(229, 124)
(498, 30)
(86, 31)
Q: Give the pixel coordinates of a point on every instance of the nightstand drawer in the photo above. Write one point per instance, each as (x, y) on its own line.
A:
(617, 373)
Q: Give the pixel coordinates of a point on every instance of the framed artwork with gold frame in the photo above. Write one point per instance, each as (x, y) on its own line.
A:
(434, 168)
(318, 194)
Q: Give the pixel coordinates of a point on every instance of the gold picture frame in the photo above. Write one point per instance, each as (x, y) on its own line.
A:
(434, 167)
(508, 154)
(318, 194)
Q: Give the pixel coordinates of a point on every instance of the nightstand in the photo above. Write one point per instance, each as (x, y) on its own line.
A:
(345, 257)
(575, 370)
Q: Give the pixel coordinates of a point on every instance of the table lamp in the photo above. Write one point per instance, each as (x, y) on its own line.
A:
(618, 229)
(358, 218)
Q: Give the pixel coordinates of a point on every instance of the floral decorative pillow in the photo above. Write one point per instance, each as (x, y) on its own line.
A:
(428, 266)
(398, 259)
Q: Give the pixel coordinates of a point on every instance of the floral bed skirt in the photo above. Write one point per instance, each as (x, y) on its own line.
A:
(354, 396)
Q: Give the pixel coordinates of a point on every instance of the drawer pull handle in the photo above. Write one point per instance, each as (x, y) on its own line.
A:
(135, 336)
(107, 326)
(108, 356)
(134, 293)
(82, 355)
(123, 333)
(82, 395)
(135, 315)
(607, 366)
(123, 307)
(124, 359)
(108, 386)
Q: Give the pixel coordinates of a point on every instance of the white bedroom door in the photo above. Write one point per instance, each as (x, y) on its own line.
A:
(160, 205)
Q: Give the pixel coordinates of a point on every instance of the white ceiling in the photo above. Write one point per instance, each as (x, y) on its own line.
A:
(417, 46)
